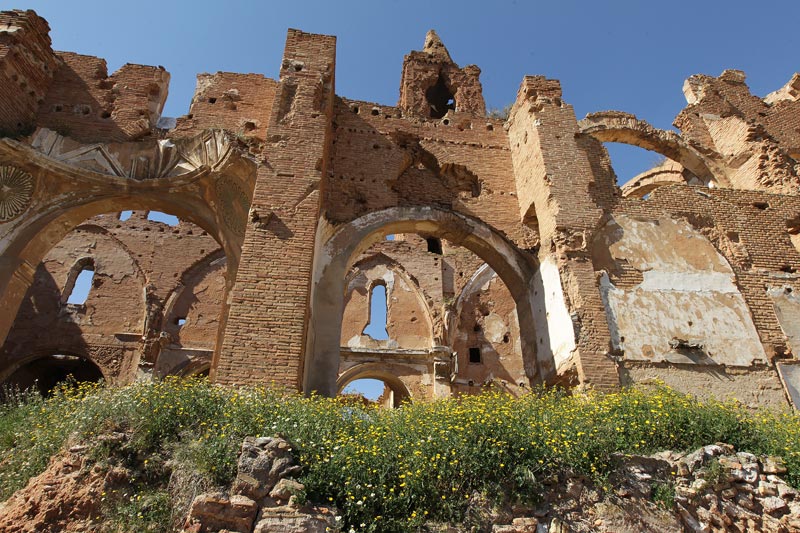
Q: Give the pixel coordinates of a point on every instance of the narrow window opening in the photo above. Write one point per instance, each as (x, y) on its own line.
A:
(390, 237)
(475, 356)
(180, 321)
(81, 286)
(125, 215)
(158, 216)
(440, 99)
(376, 327)
(434, 245)
(212, 100)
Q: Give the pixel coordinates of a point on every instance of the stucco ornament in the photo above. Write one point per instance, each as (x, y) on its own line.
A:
(16, 191)
(234, 203)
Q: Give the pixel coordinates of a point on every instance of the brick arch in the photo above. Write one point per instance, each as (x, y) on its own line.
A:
(96, 329)
(515, 268)
(620, 127)
(209, 192)
(80, 352)
(380, 372)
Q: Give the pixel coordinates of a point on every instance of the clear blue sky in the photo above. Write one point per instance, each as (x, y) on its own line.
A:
(627, 55)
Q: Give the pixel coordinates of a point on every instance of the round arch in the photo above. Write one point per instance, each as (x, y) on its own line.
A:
(206, 183)
(46, 370)
(620, 127)
(346, 243)
(379, 372)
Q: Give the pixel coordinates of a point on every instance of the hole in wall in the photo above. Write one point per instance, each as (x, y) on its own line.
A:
(212, 100)
(434, 245)
(42, 375)
(440, 99)
(158, 216)
(474, 356)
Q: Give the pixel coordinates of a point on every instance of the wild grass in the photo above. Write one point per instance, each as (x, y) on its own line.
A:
(385, 470)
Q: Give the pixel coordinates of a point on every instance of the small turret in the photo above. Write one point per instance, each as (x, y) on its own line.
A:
(432, 85)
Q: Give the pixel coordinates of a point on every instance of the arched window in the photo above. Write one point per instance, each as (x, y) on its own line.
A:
(79, 282)
(376, 327)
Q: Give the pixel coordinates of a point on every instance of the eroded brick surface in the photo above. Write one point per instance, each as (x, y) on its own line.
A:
(517, 258)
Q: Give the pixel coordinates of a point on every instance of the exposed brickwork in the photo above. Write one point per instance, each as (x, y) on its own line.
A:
(240, 103)
(533, 197)
(146, 276)
(269, 303)
(87, 104)
(27, 64)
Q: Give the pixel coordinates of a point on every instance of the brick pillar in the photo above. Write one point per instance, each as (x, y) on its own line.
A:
(266, 327)
(553, 178)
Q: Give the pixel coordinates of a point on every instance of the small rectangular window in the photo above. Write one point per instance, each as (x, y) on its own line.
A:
(475, 355)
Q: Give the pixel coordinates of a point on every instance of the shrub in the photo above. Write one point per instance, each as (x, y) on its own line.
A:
(385, 470)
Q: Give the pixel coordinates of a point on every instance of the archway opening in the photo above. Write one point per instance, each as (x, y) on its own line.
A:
(383, 391)
(44, 374)
(147, 291)
(437, 285)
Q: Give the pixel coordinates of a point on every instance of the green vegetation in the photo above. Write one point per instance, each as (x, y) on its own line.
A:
(664, 495)
(390, 470)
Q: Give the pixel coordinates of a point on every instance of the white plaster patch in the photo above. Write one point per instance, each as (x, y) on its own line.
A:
(687, 309)
(661, 280)
(494, 328)
(560, 338)
(787, 309)
(649, 320)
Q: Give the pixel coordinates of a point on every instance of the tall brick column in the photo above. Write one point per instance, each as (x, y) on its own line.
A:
(553, 179)
(266, 326)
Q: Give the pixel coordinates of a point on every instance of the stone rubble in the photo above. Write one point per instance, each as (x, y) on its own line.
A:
(713, 489)
(264, 497)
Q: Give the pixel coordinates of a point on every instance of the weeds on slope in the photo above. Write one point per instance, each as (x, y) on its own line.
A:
(385, 470)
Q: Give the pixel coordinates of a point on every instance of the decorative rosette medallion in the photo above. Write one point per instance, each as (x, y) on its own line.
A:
(16, 191)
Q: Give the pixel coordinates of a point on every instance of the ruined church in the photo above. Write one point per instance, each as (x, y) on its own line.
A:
(508, 254)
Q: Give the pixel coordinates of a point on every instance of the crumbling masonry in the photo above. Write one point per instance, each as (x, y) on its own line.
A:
(516, 259)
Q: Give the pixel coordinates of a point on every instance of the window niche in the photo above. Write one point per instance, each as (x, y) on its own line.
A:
(434, 245)
(475, 356)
